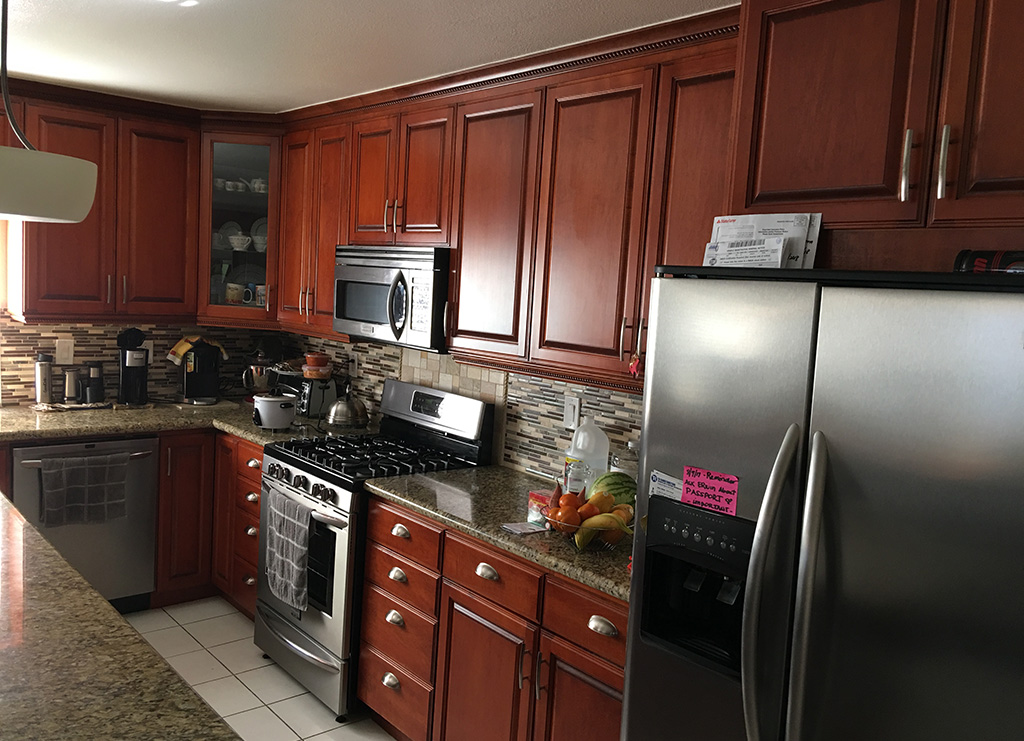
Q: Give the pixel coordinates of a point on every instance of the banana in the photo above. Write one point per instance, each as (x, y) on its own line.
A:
(591, 526)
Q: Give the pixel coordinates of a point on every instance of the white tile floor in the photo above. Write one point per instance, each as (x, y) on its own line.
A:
(209, 643)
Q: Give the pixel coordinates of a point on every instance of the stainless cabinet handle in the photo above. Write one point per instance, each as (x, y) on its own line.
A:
(395, 618)
(309, 292)
(386, 203)
(394, 218)
(300, 302)
(773, 493)
(810, 537)
(486, 571)
(536, 676)
(622, 336)
(110, 288)
(908, 143)
(169, 451)
(940, 187)
(444, 320)
(252, 531)
(124, 287)
(602, 626)
(522, 654)
(390, 681)
(639, 335)
(249, 580)
(400, 531)
(396, 574)
(252, 497)
(253, 463)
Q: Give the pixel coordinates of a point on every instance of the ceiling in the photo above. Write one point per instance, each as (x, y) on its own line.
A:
(276, 55)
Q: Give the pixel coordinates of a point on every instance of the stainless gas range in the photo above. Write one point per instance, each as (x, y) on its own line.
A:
(421, 430)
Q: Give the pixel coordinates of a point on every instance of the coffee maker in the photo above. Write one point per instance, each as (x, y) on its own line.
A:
(133, 377)
(200, 377)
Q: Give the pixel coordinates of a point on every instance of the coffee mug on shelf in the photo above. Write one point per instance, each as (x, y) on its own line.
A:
(239, 241)
(249, 294)
(234, 293)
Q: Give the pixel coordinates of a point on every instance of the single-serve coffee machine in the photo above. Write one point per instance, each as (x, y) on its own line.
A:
(133, 378)
(200, 377)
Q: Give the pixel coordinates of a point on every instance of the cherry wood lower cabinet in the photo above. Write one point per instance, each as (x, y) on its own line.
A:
(184, 517)
(236, 508)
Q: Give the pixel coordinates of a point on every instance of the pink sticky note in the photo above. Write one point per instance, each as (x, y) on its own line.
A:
(710, 490)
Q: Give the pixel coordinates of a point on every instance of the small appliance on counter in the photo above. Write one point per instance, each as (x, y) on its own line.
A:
(200, 369)
(256, 376)
(314, 396)
(133, 376)
(72, 386)
(92, 386)
(44, 378)
(272, 411)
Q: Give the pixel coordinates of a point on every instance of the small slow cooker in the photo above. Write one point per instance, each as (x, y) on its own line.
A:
(273, 411)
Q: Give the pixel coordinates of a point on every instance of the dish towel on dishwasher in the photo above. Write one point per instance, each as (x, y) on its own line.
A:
(287, 547)
(83, 490)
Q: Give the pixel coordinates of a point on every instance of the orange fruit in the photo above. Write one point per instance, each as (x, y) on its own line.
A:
(569, 500)
(587, 511)
(565, 519)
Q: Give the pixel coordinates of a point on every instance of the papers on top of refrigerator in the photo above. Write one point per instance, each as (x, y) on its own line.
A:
(752, 240)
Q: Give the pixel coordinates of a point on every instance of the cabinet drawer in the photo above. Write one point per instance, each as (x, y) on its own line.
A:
(404, 533)
(492, 575)
(409, 640)
(249, 460)
(402, 578)
(405, 704)
(244, 544)
(584, 619)
(243, 585)
(247, 496)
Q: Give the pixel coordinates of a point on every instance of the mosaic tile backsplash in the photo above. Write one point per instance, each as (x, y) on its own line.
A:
(528, 411)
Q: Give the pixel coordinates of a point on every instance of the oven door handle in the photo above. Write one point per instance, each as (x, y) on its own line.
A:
(296, 648)
(328, 520)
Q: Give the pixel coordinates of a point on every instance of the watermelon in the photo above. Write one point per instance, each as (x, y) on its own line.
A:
(620, 485)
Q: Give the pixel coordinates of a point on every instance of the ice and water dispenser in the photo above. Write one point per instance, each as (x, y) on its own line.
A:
(694, 581)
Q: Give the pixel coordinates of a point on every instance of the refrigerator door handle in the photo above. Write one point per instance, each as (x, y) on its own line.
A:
(755, 575)
(807, 566)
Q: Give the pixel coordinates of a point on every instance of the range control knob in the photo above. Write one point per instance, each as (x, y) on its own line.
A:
(273, 470)
(285, 475)
(322, 493)
(300, 482)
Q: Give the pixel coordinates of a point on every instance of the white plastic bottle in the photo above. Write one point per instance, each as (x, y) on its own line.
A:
(590, 445)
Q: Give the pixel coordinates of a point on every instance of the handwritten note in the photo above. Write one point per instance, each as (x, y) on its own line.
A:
(710, 490)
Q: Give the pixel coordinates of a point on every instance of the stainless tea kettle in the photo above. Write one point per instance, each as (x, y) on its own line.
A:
(348, 412)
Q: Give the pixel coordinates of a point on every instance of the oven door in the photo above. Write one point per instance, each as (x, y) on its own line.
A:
(372, 302)
(327, 618)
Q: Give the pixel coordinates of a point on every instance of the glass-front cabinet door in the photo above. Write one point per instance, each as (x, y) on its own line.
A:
(241, 178)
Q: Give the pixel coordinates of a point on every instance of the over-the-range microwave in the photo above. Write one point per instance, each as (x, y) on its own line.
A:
(393, 295)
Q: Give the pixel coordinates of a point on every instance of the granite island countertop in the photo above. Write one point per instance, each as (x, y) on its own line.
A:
(70, 666)
(477, 501)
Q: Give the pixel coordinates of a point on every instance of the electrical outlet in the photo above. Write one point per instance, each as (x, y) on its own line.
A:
(65, 354)
(571, 412)
(148, 345)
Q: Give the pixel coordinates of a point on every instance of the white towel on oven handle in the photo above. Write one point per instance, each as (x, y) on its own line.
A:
(287, 546)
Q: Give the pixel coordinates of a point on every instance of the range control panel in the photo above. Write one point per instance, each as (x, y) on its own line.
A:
(719, 537)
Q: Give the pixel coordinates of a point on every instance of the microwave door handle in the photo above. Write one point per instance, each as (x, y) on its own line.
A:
(810, 537)
(755, 576)
(398, 280)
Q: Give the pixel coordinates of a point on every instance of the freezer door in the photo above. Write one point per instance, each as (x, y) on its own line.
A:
(728, 372)
(915, 604)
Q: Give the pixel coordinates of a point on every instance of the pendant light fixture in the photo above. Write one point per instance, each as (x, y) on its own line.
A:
(34, 185)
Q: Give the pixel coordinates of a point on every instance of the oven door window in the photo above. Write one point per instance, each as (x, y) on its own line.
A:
(362, 302)
(320, 567)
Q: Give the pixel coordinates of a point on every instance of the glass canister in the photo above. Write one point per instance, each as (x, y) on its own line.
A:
(627, 460)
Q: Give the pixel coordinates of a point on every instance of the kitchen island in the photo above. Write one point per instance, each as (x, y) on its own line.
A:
(70, 666)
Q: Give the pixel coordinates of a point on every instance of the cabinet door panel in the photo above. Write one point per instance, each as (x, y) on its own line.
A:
(495, 192)
(424, 180)
(223, 508)
(158, 218)
(592, 205)
(332, 171)
(828, 89)
(481, 646)
(71, 267)
(374, 161)
(296, 194)
(984, 69)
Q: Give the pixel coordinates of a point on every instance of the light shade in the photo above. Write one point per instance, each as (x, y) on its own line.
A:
(42, 186)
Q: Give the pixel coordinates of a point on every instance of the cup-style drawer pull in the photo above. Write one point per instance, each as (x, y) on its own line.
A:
(395, 618)
(253, 463)
(252, 497)
(396, 574)
(400, 531)
(486, 571)
(252, 531)
(602, 626)
(249, 580)
(390, 681)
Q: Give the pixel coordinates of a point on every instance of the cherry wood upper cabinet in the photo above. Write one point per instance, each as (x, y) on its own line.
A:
(69, 269)
(331, 177)
(497, 145)
(296, 214)
(835, 108)
(401, 178)
(980, 150)
(158, 218)
(592, 205)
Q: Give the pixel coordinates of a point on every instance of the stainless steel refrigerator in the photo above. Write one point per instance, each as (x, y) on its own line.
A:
(832, 508)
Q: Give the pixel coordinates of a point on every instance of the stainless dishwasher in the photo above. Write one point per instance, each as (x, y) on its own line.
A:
(117, 557)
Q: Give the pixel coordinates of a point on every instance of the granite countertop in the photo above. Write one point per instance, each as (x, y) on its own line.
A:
(70, 666)
(477, 501)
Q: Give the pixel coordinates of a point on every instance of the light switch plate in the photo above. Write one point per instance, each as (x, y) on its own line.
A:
(148, 344)
(65, 353)
(571, 412)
